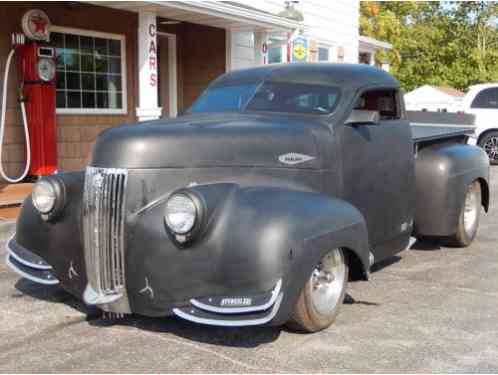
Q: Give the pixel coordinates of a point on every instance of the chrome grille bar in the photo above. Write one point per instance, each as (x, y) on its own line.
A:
(104, 204)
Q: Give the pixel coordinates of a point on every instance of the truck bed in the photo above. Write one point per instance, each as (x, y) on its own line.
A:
(430, 126)
(425, 132)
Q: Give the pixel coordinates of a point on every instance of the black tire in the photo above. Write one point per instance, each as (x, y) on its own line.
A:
(465, 230)
(489, 143)
(305, 316)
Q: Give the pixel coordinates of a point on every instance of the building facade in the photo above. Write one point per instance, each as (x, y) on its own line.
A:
(434, 99)
(122, 62)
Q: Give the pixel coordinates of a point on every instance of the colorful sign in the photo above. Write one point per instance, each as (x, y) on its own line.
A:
(36, 25)
(299, 49)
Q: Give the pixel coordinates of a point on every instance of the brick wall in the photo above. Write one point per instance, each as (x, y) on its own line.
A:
(76, 134)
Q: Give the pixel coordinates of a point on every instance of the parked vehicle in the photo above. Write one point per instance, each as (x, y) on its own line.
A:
(482, 101)
(258, 205)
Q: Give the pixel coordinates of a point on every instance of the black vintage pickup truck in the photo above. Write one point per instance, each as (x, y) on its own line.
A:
(258, 205)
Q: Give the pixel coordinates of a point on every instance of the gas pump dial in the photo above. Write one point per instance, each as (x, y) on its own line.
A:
(46, 69)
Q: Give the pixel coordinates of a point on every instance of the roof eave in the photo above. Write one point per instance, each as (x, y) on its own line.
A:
(374, 43)
(262, 21)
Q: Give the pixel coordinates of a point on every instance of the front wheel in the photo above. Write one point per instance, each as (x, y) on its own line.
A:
(489, 144)
(322, 295)
(468, 220)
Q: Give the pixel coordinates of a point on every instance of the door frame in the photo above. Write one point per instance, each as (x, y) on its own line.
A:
(172, 73)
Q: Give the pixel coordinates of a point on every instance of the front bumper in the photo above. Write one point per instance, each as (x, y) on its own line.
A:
(29, 265)
(230, 311)
(257, 310)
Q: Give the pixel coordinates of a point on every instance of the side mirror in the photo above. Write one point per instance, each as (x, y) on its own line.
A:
(362, 117)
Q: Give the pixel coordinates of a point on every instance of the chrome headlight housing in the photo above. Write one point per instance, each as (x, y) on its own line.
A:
(49, 197)
(181, 213)
(44, 196)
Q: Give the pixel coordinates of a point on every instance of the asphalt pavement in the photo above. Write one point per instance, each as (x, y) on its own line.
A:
(428, 309)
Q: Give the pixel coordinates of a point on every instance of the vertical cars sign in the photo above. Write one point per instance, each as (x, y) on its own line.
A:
(152, 54)
(148, 65)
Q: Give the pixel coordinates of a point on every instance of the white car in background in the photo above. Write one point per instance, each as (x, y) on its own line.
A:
(482, 102)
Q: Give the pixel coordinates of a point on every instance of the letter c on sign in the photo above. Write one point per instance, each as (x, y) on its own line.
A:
(152, 30)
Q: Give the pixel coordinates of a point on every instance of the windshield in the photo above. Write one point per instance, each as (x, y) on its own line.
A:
(269, 97)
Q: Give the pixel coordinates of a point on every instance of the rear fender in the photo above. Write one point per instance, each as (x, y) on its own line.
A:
(443, 173)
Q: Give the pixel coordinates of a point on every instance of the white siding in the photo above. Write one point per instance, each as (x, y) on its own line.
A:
(241, 50)
(334, 23)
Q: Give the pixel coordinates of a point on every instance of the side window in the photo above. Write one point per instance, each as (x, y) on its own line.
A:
(383, 101)
(309, 101)
(487, 98)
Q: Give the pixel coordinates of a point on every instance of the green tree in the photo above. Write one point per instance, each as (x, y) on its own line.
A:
(436, 43)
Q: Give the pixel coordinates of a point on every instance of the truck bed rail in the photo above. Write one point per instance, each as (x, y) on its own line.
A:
(429, 126)
(431, 132)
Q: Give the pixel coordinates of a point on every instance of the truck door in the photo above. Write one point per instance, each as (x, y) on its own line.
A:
(378, 171)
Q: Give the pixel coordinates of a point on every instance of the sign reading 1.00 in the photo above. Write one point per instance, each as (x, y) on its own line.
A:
(299, 49)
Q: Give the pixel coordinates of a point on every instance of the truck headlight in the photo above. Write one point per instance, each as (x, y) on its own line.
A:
(49, 197)
(44, 196)
(181, 213)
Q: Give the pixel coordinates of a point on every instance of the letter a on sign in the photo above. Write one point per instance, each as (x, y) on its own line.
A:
(152, 48)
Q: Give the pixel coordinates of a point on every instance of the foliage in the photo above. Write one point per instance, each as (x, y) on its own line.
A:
(435, 43)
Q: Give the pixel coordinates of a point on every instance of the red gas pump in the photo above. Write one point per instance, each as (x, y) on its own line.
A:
(36, 64)
(36, 70)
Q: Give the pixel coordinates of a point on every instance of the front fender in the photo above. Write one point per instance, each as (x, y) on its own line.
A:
(58, 242)
(252, 238)
(293, 230)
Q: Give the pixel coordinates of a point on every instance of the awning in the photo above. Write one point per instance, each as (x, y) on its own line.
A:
(370, 43)
(226, 15)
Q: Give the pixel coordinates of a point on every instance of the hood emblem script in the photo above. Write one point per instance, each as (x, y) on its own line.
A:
(294, 158)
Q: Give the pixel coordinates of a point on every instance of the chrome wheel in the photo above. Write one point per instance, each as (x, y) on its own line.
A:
(327, 282)
(491, 148)
(471, 211)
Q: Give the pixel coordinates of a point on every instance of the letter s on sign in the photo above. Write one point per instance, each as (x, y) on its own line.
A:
(153, 80)
(152, 30)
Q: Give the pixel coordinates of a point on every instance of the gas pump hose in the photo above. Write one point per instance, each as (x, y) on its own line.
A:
(2, 126)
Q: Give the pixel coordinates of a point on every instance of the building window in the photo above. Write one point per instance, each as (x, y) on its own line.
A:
(90, 72)
(277, 50)
(275, 55)
(365, 58)
(323, 53)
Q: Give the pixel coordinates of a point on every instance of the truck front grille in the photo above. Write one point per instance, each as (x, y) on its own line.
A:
(104, 201)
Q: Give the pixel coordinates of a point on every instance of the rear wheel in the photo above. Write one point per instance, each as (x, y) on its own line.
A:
(323, 294)
(468, 220)
(489, 143)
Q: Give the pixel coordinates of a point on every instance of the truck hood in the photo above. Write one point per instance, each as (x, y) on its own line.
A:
(211, 140)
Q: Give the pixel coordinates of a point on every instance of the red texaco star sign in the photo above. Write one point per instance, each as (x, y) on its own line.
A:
(36, 25)
(40, 24)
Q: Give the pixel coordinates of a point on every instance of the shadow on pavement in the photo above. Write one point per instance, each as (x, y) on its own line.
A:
(427, 244)
(244, 337)
(385, 263)
(350, 300)
(53, 293)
